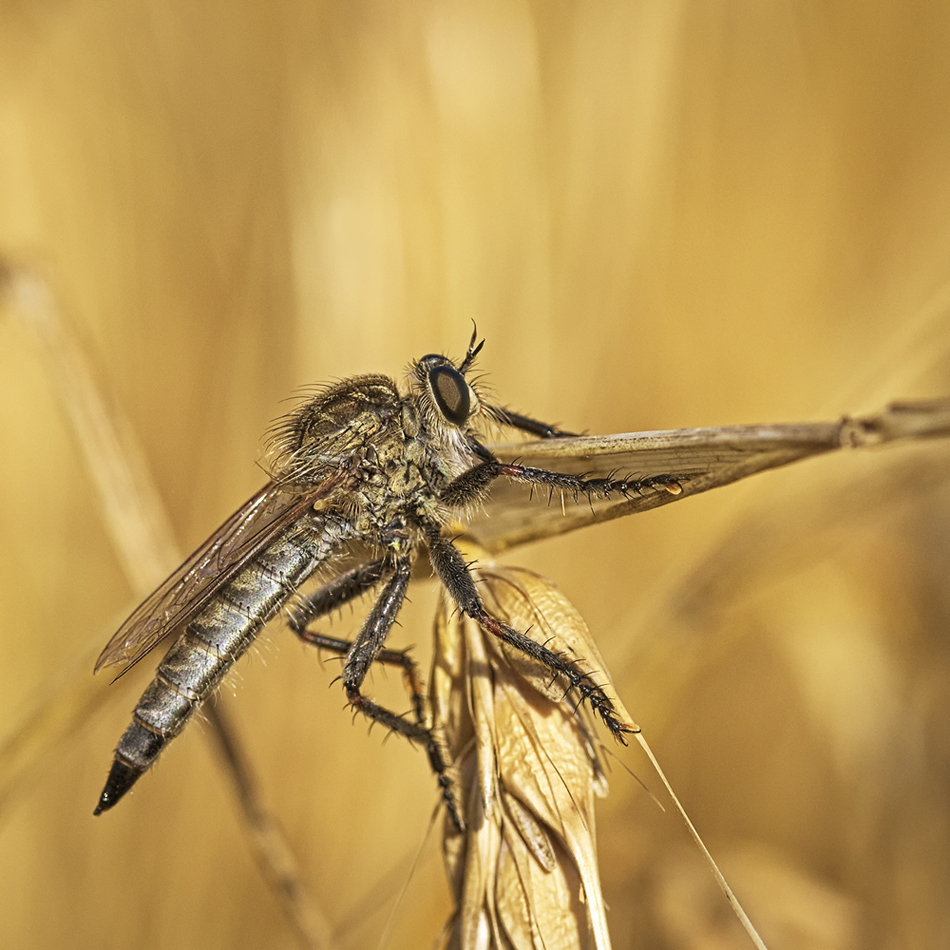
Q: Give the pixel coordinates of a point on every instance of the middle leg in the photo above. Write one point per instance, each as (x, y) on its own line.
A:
(454, 574)
(364, 651)
(333, 595)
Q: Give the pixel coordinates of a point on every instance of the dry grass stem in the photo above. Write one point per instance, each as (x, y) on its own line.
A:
(138, 526)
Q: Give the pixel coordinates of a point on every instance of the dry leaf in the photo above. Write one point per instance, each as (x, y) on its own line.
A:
(524, 872)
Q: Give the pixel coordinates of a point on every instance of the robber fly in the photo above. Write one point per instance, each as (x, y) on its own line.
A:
(359, 466)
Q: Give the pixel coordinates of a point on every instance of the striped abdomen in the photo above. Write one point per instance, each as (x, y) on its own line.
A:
(213, 640)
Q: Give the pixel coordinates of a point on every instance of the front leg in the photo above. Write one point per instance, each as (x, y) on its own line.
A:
(472, 485)
(515, 420)
(583, 485)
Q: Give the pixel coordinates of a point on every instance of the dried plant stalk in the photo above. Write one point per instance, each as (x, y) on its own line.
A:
(132, 512)
(524, 872)
(707, 458)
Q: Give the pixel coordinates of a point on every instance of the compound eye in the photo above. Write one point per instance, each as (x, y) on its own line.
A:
(451, 394)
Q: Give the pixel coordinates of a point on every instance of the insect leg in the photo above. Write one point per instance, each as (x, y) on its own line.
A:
(515, 420)
(454, 574)
(334, 595)
(364, 651)
(582, 485)
(471, 485)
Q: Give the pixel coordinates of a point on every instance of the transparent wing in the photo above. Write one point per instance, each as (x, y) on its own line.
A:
(699, 459)
(251, 528)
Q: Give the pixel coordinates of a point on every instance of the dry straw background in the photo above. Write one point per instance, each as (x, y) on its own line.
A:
(660, 215)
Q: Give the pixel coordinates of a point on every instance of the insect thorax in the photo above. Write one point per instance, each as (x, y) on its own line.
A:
(396, 456)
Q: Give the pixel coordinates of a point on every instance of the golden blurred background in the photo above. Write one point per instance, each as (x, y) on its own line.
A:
(659, 215)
